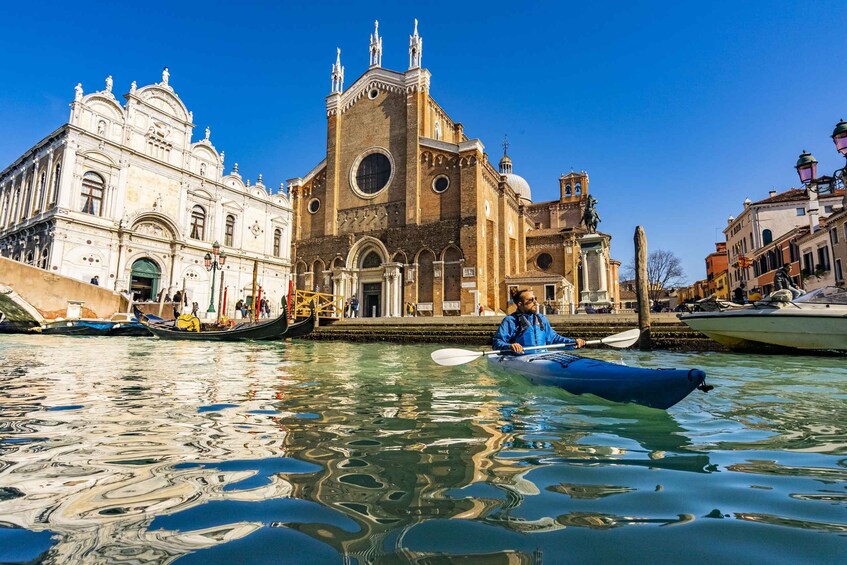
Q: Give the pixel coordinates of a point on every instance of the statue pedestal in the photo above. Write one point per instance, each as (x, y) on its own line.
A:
(594, 290)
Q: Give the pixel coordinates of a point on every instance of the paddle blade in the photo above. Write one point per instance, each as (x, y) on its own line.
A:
(623, 339)
(452, 357)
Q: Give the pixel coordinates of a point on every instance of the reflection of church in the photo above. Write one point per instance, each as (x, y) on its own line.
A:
(406, 208)
(121, 192)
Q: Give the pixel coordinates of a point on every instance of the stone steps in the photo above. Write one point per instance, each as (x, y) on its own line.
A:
(667, 332)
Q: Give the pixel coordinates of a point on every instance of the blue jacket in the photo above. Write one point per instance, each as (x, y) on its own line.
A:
(528, 330)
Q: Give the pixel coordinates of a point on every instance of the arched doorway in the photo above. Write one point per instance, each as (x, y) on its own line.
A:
(371, 300)
(144, 280)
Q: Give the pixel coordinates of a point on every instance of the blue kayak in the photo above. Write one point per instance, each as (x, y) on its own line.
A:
(656, 388)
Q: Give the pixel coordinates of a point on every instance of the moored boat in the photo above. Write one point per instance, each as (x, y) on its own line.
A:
(656, 388)
(814, 322)
(270, 330)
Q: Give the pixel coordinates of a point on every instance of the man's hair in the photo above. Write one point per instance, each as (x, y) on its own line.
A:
(516, 294)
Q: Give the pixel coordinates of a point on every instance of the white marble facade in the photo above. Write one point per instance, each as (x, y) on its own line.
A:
(122, 192)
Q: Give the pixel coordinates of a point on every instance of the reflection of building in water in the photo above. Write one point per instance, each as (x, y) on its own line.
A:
(390, 469)
(142, 437)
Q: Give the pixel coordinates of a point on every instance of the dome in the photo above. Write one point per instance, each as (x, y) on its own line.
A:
(520, 186)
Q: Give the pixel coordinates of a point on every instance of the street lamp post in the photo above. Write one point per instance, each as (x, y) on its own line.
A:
(214, 262)
(807, 167)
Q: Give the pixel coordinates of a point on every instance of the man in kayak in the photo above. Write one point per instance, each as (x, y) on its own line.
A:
(527, 327)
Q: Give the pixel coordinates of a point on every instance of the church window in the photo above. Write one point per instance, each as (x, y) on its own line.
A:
(45, 256)
(229, 231)
(54, 192)
(440, 184)
(92, 193)
(42, 188)
(371, 260)
(373, 93)
(544, 260)
(314, 205)
(567, 190)
(437, 130)
(578, 189)
(277, 239)
(198, 222)
(373, 173)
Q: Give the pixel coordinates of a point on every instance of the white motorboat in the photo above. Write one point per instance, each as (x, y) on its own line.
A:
(816, 321)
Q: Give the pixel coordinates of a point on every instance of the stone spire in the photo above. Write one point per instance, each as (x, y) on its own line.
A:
(376, 47)
(415, 49)
(337, 74)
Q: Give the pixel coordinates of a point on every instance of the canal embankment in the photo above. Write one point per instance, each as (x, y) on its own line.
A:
(667, 331)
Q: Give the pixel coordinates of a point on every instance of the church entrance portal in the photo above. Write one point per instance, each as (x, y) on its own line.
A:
(370, 299)
(145, 280)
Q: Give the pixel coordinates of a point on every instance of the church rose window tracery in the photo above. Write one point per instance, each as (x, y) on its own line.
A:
(373, 172)
(544, 260)
(198, 222)
(92, 193)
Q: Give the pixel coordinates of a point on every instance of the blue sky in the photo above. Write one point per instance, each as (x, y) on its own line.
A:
(678, 110)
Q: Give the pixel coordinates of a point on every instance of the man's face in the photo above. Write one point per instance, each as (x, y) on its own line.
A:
(528, 303)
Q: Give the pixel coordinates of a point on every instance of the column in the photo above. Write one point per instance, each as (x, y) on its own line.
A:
(603, 265)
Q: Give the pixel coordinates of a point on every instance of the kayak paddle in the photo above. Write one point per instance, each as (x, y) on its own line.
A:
(451, 357)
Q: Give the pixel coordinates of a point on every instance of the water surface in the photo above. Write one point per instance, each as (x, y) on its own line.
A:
(132, 450)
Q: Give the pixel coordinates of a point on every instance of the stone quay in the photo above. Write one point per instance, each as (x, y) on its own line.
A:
(667, 331)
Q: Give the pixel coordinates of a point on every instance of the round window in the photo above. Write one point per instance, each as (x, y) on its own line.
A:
(373, 93)
(372, 172)
(440, 184)
(314, 205)
(544, 261)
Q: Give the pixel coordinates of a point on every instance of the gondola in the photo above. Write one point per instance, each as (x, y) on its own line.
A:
(304, 327)
(273, 329)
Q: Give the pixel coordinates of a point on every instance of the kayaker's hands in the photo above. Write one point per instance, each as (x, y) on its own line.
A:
(580, 343)
(517, 348)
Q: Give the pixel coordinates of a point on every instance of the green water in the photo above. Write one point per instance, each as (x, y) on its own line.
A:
(130, 450)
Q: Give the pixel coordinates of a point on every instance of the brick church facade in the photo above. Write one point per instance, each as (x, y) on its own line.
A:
(406, 208)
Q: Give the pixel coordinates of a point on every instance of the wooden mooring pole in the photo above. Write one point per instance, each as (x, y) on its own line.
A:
(642, 286)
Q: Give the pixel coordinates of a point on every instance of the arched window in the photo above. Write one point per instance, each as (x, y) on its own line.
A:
(452, 274)
(277, 239)
(229, 231)
(578, 189)
(54, 191)
(42, 190)
(568, 190)
(198, 222)
(317, 276)
(92, 193)
(767, 237)
(425, 276)
(45, 257)
(371, 260)
(26, 203)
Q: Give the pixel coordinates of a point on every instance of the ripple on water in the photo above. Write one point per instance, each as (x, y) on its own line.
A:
(216, 451)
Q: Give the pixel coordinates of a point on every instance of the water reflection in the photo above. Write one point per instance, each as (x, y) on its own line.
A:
(144, 451)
